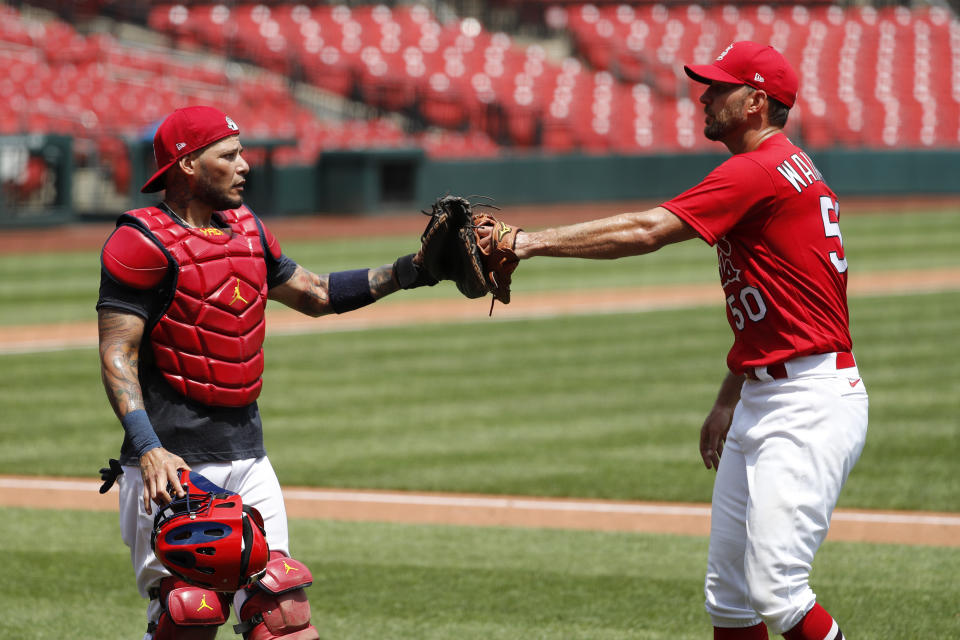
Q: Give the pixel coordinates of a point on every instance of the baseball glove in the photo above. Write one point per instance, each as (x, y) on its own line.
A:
(475, 250)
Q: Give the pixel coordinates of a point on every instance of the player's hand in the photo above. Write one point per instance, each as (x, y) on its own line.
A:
(484, 237)
(713, 433)
(158, 469)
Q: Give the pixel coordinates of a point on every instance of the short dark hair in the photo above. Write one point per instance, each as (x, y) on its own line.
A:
(777, 112)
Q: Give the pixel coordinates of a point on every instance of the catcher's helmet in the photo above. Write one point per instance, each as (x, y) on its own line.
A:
(209, 537)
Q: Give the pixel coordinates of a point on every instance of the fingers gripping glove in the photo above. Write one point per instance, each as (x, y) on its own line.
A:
(497, 255)
(452, 249)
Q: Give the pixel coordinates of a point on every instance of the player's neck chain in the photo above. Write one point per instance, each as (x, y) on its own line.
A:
(176, 215)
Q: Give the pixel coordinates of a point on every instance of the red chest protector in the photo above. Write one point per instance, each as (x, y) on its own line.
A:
(208, 341)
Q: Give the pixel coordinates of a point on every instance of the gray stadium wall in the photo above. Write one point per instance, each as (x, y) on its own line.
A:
(382, 181)
(361, 182)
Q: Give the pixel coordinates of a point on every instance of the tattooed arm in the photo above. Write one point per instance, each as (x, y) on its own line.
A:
(309, 293)
(120, 337)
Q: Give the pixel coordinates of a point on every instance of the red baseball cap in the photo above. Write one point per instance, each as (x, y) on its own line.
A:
(184, 131)
(756, 65)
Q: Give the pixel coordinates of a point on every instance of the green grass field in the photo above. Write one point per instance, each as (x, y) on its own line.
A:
(602, 406)
(389, 581)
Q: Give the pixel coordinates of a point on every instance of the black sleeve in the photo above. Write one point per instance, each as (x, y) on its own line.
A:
(279, 270)
(114, 295)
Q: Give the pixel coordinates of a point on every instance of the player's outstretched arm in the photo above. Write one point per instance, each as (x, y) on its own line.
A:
(625, 234)
(321, 294)
(120, 337)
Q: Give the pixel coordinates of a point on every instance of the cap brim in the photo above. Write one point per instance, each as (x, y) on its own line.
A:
(707, 73)
(156, 181)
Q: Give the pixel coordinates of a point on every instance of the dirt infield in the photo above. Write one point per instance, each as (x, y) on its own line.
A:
(915, 528)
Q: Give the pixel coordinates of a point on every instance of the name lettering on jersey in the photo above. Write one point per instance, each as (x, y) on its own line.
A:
(799, 171)
(728, 272)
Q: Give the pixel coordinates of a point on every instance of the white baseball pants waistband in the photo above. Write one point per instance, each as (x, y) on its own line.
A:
(824, 363)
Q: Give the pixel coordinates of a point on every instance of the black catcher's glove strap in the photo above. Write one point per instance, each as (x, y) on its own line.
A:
(410, 275)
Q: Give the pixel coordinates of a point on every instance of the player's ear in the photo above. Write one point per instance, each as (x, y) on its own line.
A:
(188, 163)
(757, 101)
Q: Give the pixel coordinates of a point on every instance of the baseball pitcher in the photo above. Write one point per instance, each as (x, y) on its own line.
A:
(790, 419)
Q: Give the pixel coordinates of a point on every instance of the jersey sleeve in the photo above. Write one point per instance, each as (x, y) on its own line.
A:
(280, 268)
(729, 193)
(114, 295)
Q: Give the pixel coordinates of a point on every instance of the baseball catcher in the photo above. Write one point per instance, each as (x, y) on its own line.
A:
(474, 249)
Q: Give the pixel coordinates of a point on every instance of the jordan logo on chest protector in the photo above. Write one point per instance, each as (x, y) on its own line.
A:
(235, 294)
(237, 297)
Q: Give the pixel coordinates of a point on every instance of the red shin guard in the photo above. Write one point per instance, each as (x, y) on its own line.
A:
(277, 606)
(189, 612)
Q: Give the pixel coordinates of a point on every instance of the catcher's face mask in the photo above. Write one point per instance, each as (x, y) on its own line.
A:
(209, 537)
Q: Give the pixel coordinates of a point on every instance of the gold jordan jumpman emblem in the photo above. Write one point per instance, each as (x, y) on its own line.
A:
(236, 294)
(203, 604)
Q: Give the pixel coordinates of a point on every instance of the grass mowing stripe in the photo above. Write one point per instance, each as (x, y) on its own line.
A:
(399, 582)
(62, 287)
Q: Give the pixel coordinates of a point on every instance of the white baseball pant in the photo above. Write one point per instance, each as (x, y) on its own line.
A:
(790, 448)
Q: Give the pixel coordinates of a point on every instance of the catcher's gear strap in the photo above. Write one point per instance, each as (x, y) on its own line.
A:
(277, 606)
(411, 275)
(349, 290)
(188, 612)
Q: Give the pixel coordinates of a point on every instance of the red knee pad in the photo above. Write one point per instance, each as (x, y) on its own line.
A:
(189, 612)
(277, 606)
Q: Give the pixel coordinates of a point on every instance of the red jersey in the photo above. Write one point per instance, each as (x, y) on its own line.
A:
(775, 224)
